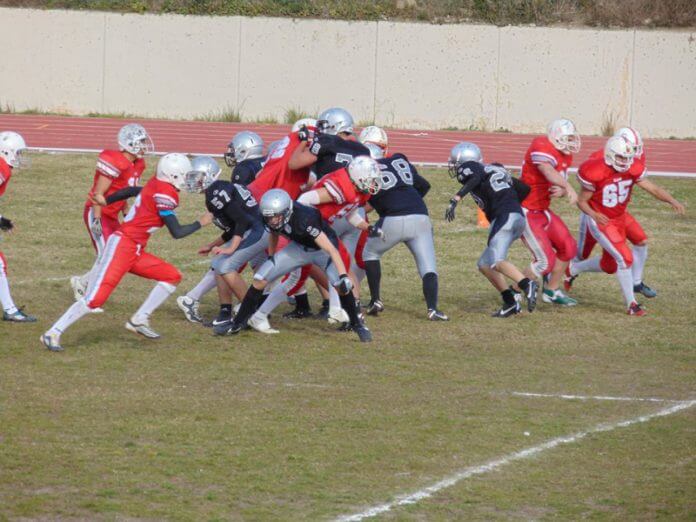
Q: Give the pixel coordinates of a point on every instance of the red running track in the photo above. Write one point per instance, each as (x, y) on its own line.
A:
(424, 147)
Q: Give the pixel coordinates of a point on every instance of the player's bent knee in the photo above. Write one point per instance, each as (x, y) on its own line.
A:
(259, 283)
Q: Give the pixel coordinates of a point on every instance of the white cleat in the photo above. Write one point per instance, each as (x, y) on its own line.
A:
(190, 308)
(78, 287)
(337, 316)
(260, 323)
(51, 342)
(142, 329)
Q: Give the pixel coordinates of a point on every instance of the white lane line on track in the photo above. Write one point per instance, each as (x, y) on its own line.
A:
(429, 491)
(591, 397)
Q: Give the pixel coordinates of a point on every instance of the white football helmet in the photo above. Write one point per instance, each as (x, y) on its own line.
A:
(245, 145)
(365, 174)
(374, 134)
(564, 136)
(619, 154)
(632, 136)
(204, 172)
(376, 152)
(172, 168)
(460, 153)
(134, 138)
(13, 149)
(310, 123)
(335, 121)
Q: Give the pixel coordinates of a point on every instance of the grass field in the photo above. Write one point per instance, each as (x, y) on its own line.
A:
(310, 424)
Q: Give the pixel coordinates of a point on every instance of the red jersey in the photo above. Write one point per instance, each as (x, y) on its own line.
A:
(344, 194)
(611, 189)
(542, 151)
(276, 173)
(123, 173)
(5, 175)
(145, 216)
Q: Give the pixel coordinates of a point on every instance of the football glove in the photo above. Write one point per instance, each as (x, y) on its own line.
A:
(344, 284)
(6, 224)
(375, 231)
(449, 213)
(303, 133)
(96, 227)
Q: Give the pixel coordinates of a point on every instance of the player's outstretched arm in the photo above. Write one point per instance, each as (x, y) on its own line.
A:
(119, 195)
(659, 193)
(178, 230)
(466, 188)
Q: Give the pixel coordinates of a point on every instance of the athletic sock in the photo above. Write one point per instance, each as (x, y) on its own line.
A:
(625, 278)
(588, 265)
(334, 298)
(158, 295)
(524, 283)
(76, 311)
(430, 286)
(273, 300)
(225, 311)
(508, 296)
(5, 298)
(373, 269)
(348, 304)
(205, 285)
(249, 305)
(302, 302)
(640, 256)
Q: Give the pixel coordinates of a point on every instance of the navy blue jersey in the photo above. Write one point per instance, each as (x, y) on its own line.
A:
(305, 225)
(402, 188)
(245, 172)
(334, 153)
(233, 207)
(492, 187)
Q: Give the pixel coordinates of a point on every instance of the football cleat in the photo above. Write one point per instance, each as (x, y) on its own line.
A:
(51, 342)
(338, 316)
(635, 309)
(260, 323)
(437, 315)
(18, 317)
(642, 288)
(375, 307)
(78, 287)
(509, 309)
(298, 313)
(363, 333)
(231, 329)
(142, 329)
(190, 308)
(531, 295)
(557, 297)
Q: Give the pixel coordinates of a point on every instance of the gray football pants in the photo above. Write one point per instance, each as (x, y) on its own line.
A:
(295, 256)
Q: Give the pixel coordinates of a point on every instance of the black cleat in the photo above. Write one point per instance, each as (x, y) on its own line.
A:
(508, 310)
(18, 317)
(363, 333)
(642, 288)
(531, 295)
(298, 313)
(225, 327)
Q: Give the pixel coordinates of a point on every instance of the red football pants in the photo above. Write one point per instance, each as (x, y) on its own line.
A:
(109, 226)
(547, 237)
(122, 255)
(586, 241)
(612, 238)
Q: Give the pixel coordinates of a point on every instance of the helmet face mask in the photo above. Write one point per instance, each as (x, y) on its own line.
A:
(461, 153)
(365, 174)
(134, 139)
(563, 136)
(245, 145)
(619, 154)
(204, 172)
(335, 121)
(13, 150)
(276, 209)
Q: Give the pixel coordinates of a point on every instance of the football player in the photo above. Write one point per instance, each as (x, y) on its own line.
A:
(245, 157)
(403, 216)
(634, 232)
(454, 159)
(124, 251)
(12, 156)
(116, 170)
(499, 195)
(607, 184)
(546, 235)
(243, 241)
(313, 241)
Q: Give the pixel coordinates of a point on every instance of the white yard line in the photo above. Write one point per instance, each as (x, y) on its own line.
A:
(591, 397)
(421, 494)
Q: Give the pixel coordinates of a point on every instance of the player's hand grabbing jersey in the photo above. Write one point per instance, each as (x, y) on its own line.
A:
(611, 189)
(542, 151)
(122, 173)
(334, 153)
(157, 199)
(402, 188)
(234, 208)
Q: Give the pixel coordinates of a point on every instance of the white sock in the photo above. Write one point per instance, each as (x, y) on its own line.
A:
(625, 278)
(334, 299)
(5, 297)
(588, 265)
(204, 286)
(640, 256)
(76, 311)
(274, 299)
(158, 296)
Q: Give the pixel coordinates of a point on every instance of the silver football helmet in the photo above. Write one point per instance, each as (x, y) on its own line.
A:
(204, 172)
(460, 153)
(245, 145)
(13, 149)
(334, 121)
(133, 138)
(276, 208)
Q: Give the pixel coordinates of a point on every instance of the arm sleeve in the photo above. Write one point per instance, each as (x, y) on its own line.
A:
(176, 229)
(521, 188)
(470, 185)
(122, 194)
(420, 184)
